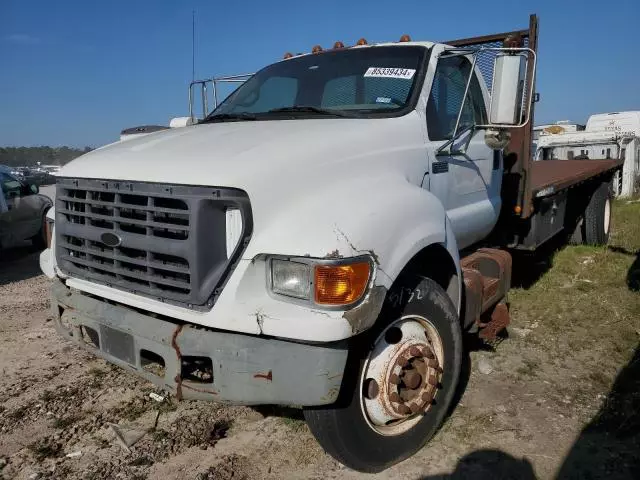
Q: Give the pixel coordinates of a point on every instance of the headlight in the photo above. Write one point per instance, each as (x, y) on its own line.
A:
(290, 278)
(322, 282)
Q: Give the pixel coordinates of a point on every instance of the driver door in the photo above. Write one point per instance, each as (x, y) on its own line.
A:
(467, 182)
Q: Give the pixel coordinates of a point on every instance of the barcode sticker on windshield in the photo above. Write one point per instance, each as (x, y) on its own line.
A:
(387, 72)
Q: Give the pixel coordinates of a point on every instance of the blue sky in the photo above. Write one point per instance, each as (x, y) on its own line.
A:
(78, 72)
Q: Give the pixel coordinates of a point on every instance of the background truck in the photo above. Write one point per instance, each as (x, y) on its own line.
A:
(333, 228)
(607, 135)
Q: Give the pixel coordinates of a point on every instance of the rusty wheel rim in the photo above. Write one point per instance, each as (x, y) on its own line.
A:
(401, 376)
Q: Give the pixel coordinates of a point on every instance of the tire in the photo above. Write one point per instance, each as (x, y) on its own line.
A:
(597, 216)
(350, 435)
(39, 241)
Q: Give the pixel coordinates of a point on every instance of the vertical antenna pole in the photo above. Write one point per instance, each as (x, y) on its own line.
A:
(193, 45)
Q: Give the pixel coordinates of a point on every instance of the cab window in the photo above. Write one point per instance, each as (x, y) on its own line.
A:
(444, 102)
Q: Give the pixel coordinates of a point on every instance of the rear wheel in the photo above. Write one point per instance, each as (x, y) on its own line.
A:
(597, 216)
(407, 372)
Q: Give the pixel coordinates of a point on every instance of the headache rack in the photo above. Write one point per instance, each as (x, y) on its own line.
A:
(518, 157)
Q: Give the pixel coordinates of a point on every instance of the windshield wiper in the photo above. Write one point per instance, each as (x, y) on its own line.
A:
(222, 117)
(309, 109)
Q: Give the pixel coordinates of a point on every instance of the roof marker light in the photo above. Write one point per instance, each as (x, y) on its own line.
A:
(288, 55)
(405, 38)
(316, 49)
(338, 44)
(362, 41)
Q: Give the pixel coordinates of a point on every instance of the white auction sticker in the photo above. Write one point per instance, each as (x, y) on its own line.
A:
(390, 72)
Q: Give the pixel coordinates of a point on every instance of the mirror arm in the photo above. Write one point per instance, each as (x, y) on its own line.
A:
(464, 96)
(449, 143)
(457, 134)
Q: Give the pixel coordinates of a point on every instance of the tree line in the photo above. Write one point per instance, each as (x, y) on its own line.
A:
(30, 156)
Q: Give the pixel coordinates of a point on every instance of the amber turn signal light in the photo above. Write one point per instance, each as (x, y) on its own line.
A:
(341, 284)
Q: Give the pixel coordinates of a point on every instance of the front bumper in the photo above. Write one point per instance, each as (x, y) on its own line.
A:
(199, 363)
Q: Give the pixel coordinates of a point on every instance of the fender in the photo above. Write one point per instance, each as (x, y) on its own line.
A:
(390, 218)
(423, 235)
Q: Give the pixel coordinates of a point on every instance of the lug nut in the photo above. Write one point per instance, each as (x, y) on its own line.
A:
(432, 380)
(414, 407)
(402, 362)
(403, 409)
(427, 397)
(394, 379)
(394, 397)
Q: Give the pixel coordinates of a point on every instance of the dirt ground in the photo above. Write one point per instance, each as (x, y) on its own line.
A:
(559, 397)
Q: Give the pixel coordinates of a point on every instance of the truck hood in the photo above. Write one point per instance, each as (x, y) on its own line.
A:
(242, 154)
(289, 168)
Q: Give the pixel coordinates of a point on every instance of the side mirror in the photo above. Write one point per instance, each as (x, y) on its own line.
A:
(33, 188)
(507, 95)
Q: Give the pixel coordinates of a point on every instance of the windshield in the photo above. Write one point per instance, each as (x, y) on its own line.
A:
(374, 81)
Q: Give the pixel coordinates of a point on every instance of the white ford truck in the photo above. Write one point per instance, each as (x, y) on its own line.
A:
(323, 237)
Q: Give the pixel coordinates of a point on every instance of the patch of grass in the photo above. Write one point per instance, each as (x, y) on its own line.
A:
(295, 424)
(469, 427)
(582, 312)
(586, 291)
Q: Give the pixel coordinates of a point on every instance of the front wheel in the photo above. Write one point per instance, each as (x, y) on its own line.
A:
(407, 367)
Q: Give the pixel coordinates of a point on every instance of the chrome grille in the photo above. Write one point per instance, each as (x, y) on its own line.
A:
(171, 238)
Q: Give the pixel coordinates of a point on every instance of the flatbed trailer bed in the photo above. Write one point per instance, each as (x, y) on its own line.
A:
(559, 174)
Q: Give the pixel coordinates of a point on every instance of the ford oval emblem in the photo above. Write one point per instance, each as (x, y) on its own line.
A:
(110, 239)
